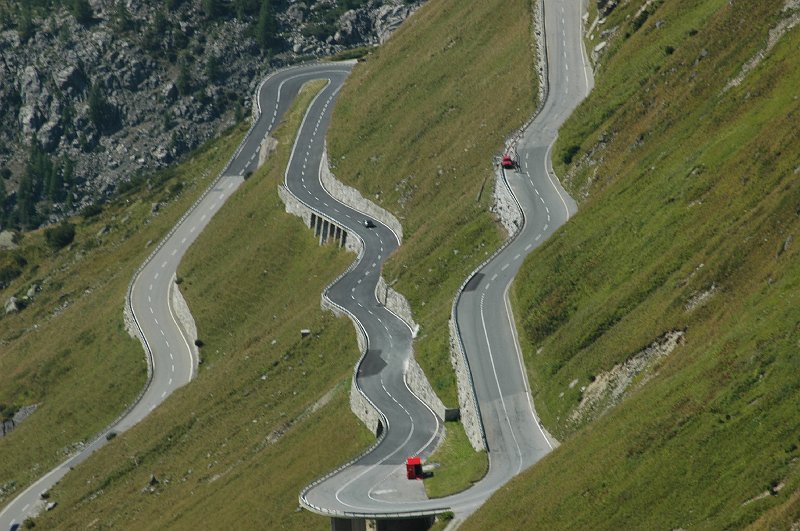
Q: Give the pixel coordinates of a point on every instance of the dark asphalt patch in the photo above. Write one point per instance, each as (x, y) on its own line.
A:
(372, 364)
(474, 282)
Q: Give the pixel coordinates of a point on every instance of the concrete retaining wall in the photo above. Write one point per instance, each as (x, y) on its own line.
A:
(363, 409)
(186, 321)
(420, 386)
(359, 405)
(467, 403)
(505, 206)
(133, 331)
(396, 303)
(268, 147)
(294, 206)
(353, 198)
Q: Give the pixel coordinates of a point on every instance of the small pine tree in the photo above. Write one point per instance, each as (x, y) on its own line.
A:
(103, 115)
(212, 9)
(213, 69)
(267, 26)
(245, 8)
(82, 11)
(172, 5)
(3, 199)
(60, 236)
(122, 18)
(184, 81)
(25, 26)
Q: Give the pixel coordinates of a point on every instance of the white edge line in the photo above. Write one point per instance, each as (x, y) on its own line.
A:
(173, 286)
(510, 315)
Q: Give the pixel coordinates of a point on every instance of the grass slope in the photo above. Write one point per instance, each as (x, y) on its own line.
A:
(460, 78)
(268, 412)
(458, 466)
(67, 350)
(686, 189)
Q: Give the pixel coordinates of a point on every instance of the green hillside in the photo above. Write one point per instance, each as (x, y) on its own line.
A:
(690, 207)
(235, 446)
(214, 464)
(416, 128)
(66, 349)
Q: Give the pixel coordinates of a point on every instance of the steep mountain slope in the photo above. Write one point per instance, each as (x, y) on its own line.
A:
(94, 94)
(64, 347)
(660, 326)
(416, 129)
(235, 446)
(171, 443)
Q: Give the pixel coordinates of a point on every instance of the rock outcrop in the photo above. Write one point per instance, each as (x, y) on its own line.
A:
(141, 85)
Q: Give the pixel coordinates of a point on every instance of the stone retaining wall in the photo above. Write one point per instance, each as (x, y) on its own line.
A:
(467, 403)
(353, 198)
(186, 321)
(396, 304)
(505, 206)
(420, 386)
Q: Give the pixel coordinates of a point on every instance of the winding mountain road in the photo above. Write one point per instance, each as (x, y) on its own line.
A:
(375, 485)
(172, 357)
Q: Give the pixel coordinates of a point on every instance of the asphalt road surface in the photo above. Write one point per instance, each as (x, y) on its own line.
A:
(174, 362)
(375, 485)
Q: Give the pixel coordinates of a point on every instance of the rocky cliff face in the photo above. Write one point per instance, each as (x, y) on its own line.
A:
(86, 106)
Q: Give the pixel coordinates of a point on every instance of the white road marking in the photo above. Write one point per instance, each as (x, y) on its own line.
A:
(546, 226)
(155, 277)
(494, 277)
(203, 217)
(173, 367)
(497, 381)
(170, 382)
(193, 229)
(151, 287)
(151, 310)
(516, 257)
(183, 240)
(163, 265)
(504, 267)
(528, 247)
(174, 252)
(538, 237)
(148, 299)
